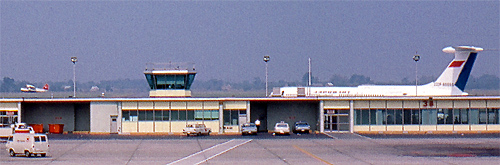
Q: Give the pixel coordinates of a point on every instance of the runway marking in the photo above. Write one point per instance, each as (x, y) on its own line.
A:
(220, 153)
(366, 137)
(214, 151)
(312, 155)
(333, 137)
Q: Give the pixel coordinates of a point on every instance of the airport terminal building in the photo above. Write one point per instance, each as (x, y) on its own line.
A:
(170, 107)
(225, 115)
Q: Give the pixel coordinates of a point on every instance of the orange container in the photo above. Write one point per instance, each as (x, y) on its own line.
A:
(38, 128)
(56, 128)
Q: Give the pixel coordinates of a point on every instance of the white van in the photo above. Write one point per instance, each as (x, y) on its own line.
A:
(28, 144)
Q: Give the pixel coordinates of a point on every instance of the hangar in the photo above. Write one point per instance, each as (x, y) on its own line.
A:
(225, 115)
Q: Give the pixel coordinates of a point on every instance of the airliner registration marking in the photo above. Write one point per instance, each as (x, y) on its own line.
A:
(332, 92)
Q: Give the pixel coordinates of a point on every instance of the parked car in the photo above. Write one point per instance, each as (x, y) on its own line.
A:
(196, 129)
(301, 127)
(248, 128)
(282, 128)
(29, 144)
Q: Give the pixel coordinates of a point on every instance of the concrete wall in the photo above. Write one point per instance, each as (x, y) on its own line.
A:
(49, 113)
(291, 112)
(100, 113)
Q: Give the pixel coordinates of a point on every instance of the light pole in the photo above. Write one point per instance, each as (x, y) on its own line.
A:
(309, 82)
(74, 60)
(266, 59)
(416, 57)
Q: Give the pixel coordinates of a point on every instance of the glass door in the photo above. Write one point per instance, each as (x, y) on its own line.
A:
(336, 120)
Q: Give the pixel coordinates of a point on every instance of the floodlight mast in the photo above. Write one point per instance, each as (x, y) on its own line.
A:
(309, 83)
(74, 60)
(416, 57)
(266, 59)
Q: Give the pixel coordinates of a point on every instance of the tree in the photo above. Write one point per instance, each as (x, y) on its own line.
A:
(305, 79)
(108, 88)
(338, 80)
(8, 85)
(484, 82)
(359, 79)
(258, 84)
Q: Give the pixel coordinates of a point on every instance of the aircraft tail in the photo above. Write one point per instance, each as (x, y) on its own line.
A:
(46, 87)
(458, 71)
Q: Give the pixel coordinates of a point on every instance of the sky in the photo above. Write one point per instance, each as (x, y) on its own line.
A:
(228, 39)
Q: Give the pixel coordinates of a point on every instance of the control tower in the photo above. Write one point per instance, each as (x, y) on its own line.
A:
(170, 79)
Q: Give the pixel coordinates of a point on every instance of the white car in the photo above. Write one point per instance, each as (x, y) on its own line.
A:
(282, 128)
(302, 127)
(248, 128)
(27, 144)
(196, 129)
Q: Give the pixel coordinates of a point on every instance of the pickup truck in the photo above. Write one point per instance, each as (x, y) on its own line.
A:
(196, 129)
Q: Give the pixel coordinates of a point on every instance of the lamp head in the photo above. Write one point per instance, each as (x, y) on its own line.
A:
(74, 59)
(416, 57)
(266, 58)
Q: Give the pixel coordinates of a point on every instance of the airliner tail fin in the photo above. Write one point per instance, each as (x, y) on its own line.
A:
(458, 71)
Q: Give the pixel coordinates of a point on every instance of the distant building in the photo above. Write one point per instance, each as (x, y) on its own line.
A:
(94, 88)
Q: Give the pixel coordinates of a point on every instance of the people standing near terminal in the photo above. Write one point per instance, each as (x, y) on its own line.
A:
(257, 123)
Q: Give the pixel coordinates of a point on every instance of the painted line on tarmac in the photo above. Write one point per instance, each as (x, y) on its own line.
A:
(333, 137)
(312, 155)
(196, 157)
(220, 153)
(362, 136)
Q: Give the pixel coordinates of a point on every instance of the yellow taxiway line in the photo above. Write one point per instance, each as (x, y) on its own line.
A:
(312, 155)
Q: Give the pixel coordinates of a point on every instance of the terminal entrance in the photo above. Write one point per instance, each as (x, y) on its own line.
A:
(270, 113)
(336, 120)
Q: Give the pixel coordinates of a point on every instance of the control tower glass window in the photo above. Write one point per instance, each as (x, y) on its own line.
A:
(170, 81)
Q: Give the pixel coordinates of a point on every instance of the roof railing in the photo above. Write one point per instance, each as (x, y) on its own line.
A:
(170, 66)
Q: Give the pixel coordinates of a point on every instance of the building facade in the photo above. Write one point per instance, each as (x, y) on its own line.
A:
(225, 115)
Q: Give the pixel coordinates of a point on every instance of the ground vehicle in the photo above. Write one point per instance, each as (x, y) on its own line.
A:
(302, 127)
(282, 128)
(5, 132)
(28, 144)
(248, 128)
(196, 129)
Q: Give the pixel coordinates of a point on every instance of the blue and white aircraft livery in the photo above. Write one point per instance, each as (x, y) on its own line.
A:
(451, 82)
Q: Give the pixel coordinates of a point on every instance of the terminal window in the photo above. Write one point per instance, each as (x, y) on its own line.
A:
(7, 118)
(426, 116)
(231, 116)
(206, 115)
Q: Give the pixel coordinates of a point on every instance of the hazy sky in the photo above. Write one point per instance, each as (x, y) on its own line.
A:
(228, 39)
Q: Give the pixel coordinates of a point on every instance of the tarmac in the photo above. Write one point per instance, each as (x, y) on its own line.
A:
(265, 148)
